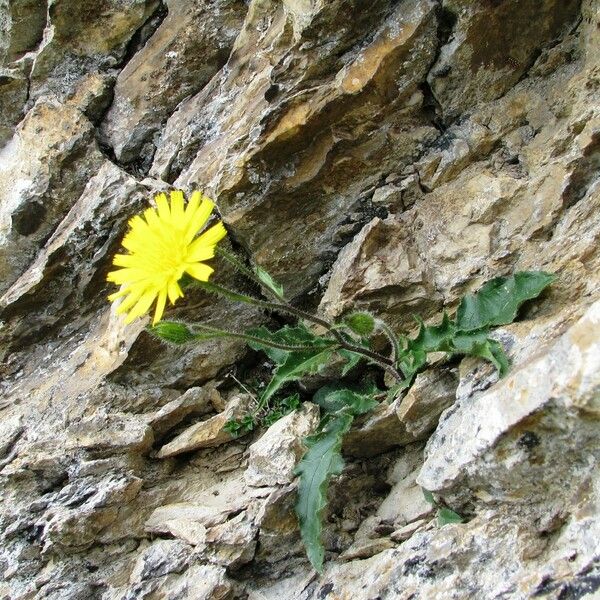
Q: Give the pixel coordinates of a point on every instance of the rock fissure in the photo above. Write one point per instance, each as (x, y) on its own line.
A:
(389, 161)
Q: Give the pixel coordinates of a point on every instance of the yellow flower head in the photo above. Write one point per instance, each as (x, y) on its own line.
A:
(162, 247)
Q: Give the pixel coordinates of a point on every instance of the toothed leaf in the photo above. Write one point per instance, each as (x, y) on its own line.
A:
(352, 359)
(321, 460)
(333, 398)
(498, 301)
(295, 365)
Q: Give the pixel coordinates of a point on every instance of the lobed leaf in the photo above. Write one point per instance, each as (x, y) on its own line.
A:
(333, 398)
(295, 365)
(498, 301)
(322, 460)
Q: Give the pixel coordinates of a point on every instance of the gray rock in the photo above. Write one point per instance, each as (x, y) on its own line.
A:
(509, 433)
(186, 51)
(273, 458)
(110, 432)
(206, 434)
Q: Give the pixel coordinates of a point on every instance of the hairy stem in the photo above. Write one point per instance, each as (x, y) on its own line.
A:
(285, 307)
(237, 264)
(216, 332)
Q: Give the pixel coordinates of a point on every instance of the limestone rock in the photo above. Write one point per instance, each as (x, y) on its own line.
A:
(377, 432)
(10, 431)
(472, 67)
(529, 417)
(22, 24)
(195, 401)
(231, 544)
(393, 159)
(184, 53)
(211, 141)
(81, 510)
(198, 582)
(274, 456)
(206, 434)
(43, 172)
(75, 42)
(380, 271)
(405, 532)
(432, 392)
(13, 95)
(160, 558)
(110, 432)
(405, 503)
(366, 549)
(407, 419)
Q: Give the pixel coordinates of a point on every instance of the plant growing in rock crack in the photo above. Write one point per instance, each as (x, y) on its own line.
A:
(165, 253)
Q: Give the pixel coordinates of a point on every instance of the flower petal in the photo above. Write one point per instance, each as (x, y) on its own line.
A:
(198, 219)
(160, 306)
(163, 207)
(200, 271)
(177, 208)
(142, 305)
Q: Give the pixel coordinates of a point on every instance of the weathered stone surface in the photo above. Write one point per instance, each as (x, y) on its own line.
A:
(80, 38)
(406, 532)
(273, 458)
(199, 582)
(195, 401)
(474, 66)
(405, 503)
(528, 424)
(43, 171)
(432, 392)
(206, 434)
(435, 151)
(186, 51)
(22, 25)
(377, 432)
(302, 131)
(110, 432)
(13, 95)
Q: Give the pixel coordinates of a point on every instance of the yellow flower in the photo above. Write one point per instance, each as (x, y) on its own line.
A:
(161, 249)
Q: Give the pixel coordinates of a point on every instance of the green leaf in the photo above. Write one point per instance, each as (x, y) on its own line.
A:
(170, 331)
(299, 337)
(445, 516)
(428, 497)
(282, 407)
(352, 359)
(333, 398)
(269, 282)
(476, 343)
(434, 338)
(238, 428)
(295, 365)
(321, 460)
(498, 301)
(361, 323)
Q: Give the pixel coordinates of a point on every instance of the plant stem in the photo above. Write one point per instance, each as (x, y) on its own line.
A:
(286, 307)
(385, 362)
(216, 332)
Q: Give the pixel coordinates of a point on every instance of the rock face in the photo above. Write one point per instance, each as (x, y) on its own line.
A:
(382, 155)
